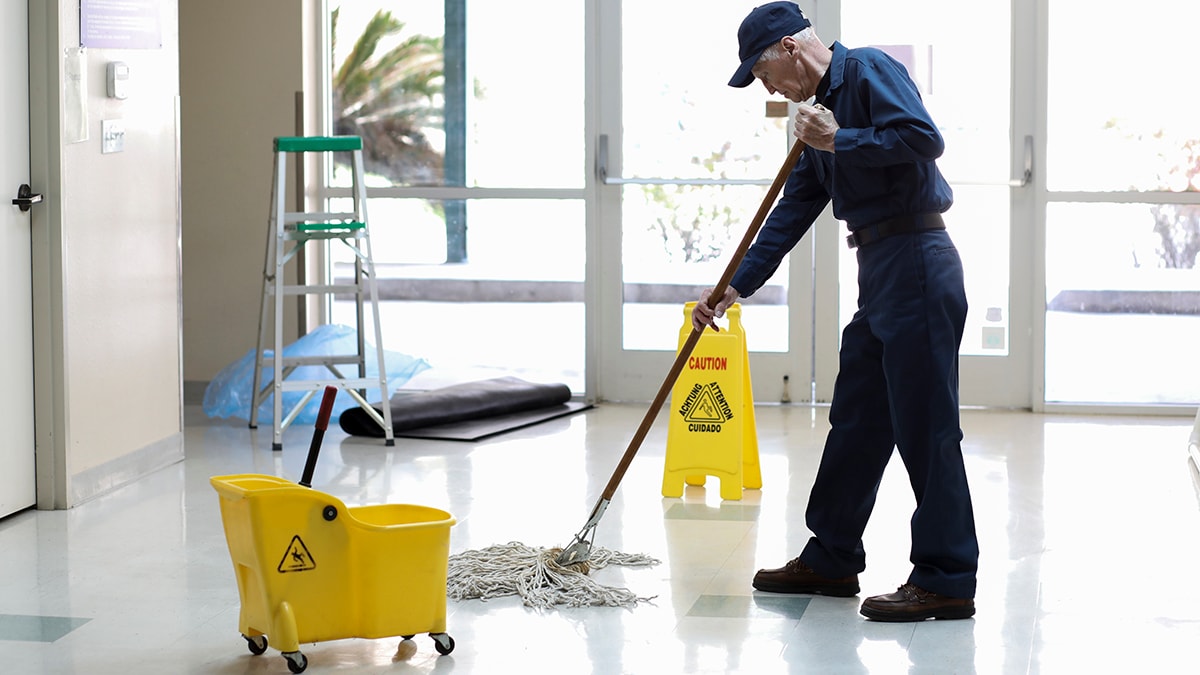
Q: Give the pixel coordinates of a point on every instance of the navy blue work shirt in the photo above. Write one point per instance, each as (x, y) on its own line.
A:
(883, 164)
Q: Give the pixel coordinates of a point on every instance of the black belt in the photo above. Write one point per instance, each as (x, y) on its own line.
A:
(921, 222)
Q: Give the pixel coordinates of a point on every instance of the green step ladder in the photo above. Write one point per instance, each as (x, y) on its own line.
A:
(287, 235)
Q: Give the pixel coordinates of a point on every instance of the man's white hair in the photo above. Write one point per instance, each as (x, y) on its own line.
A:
(775, 51)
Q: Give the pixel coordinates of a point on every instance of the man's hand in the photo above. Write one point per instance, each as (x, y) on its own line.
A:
(815, 126)
(703, 316)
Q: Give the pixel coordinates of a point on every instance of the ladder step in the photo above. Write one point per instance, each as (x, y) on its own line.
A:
(317, 143)
(313, 289)
(319, 235)
(292, 217)
(312, 360)
(355, 383)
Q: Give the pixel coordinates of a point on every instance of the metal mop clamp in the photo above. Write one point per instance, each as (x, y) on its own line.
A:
(314, 448)
(580, 548)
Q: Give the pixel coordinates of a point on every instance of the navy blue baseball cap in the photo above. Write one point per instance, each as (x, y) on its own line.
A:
(764, 26)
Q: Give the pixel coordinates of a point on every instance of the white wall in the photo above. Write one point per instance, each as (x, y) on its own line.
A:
(241, 65)
(106, 266)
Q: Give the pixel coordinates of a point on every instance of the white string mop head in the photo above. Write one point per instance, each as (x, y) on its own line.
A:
(535, 576)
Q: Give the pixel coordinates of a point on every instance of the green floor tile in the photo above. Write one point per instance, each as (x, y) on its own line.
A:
(23, 628)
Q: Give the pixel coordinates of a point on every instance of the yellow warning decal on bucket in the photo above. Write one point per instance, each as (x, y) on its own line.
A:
(297, 558)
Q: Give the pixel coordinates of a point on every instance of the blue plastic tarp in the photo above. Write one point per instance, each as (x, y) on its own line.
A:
(229, 394)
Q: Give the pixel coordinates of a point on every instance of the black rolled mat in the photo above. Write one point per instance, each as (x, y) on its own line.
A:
(503, 399)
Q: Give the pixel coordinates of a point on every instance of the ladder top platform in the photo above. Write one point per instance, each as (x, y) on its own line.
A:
(326, 227)
(317, 143)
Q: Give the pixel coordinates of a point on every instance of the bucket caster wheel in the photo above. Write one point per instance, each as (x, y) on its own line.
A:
(296, 661)
(257, 644)
(442, 642)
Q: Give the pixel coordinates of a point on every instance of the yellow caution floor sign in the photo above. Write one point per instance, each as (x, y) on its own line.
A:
(711, 430)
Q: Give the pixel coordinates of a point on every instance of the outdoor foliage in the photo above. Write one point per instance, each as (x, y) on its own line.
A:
(391, 99)
(1177, 225)
(693, 221)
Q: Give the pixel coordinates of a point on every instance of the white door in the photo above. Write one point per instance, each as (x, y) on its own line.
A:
(17, 478)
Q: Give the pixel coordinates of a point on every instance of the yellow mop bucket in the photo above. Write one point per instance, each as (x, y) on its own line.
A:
(311, 569)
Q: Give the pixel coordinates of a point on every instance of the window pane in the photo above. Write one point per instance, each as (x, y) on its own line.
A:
(493, 124)
(964, 79)
(511, 307)
(680, 119)
(677, 240)
(1121, 320)
(685, 122)
(1102, 136)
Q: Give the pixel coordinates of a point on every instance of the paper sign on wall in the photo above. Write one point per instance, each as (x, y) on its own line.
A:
(75, 115)
(120, 24)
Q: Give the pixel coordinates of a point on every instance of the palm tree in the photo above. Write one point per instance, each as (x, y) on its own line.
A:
(390, 100)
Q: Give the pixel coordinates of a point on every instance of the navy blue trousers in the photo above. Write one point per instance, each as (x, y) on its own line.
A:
(897, 387)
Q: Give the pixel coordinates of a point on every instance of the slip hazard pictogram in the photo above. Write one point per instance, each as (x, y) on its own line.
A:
(705, 408)
(297, 558)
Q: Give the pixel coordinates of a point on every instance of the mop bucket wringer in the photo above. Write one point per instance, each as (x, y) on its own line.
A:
(310, 569)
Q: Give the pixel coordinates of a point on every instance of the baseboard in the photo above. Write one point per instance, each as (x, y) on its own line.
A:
(100, 480)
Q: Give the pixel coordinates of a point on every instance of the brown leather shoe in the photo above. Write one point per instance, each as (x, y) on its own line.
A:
(913, 603)
(796, 577)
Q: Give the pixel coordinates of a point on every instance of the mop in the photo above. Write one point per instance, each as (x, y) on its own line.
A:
(558, 577)
(535, 576)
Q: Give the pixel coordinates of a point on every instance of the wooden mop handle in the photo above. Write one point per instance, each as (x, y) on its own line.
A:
(690, 344)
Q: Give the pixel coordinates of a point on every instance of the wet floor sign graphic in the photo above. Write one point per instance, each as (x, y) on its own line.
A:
(297, 558)
(711, 430)
(706, 408)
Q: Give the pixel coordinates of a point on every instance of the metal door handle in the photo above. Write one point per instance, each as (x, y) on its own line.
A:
(1026, 173)
(26, 198)
(602, 174)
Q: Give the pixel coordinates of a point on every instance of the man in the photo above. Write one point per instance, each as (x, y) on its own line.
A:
(871, 147)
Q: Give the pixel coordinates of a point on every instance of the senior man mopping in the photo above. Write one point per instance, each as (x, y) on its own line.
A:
(871, 151)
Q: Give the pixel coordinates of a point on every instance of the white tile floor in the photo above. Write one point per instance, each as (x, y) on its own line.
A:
(1089, 527)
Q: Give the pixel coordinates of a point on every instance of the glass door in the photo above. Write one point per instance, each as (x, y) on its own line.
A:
(682, 164)
(967, 82)
(1122, 212)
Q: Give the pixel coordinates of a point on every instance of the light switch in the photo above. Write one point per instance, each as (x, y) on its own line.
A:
(118, 80)
(112, 136)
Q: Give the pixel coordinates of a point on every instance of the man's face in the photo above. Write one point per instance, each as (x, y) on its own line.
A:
(784, 74)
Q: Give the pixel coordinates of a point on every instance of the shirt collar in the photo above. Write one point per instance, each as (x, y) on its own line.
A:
(834, 75)
(823, 87)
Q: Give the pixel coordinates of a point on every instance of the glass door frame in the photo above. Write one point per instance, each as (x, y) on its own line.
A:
(814, 327)
(1013, 381)
(1036, 17)
(613, 372)
(985, 381)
